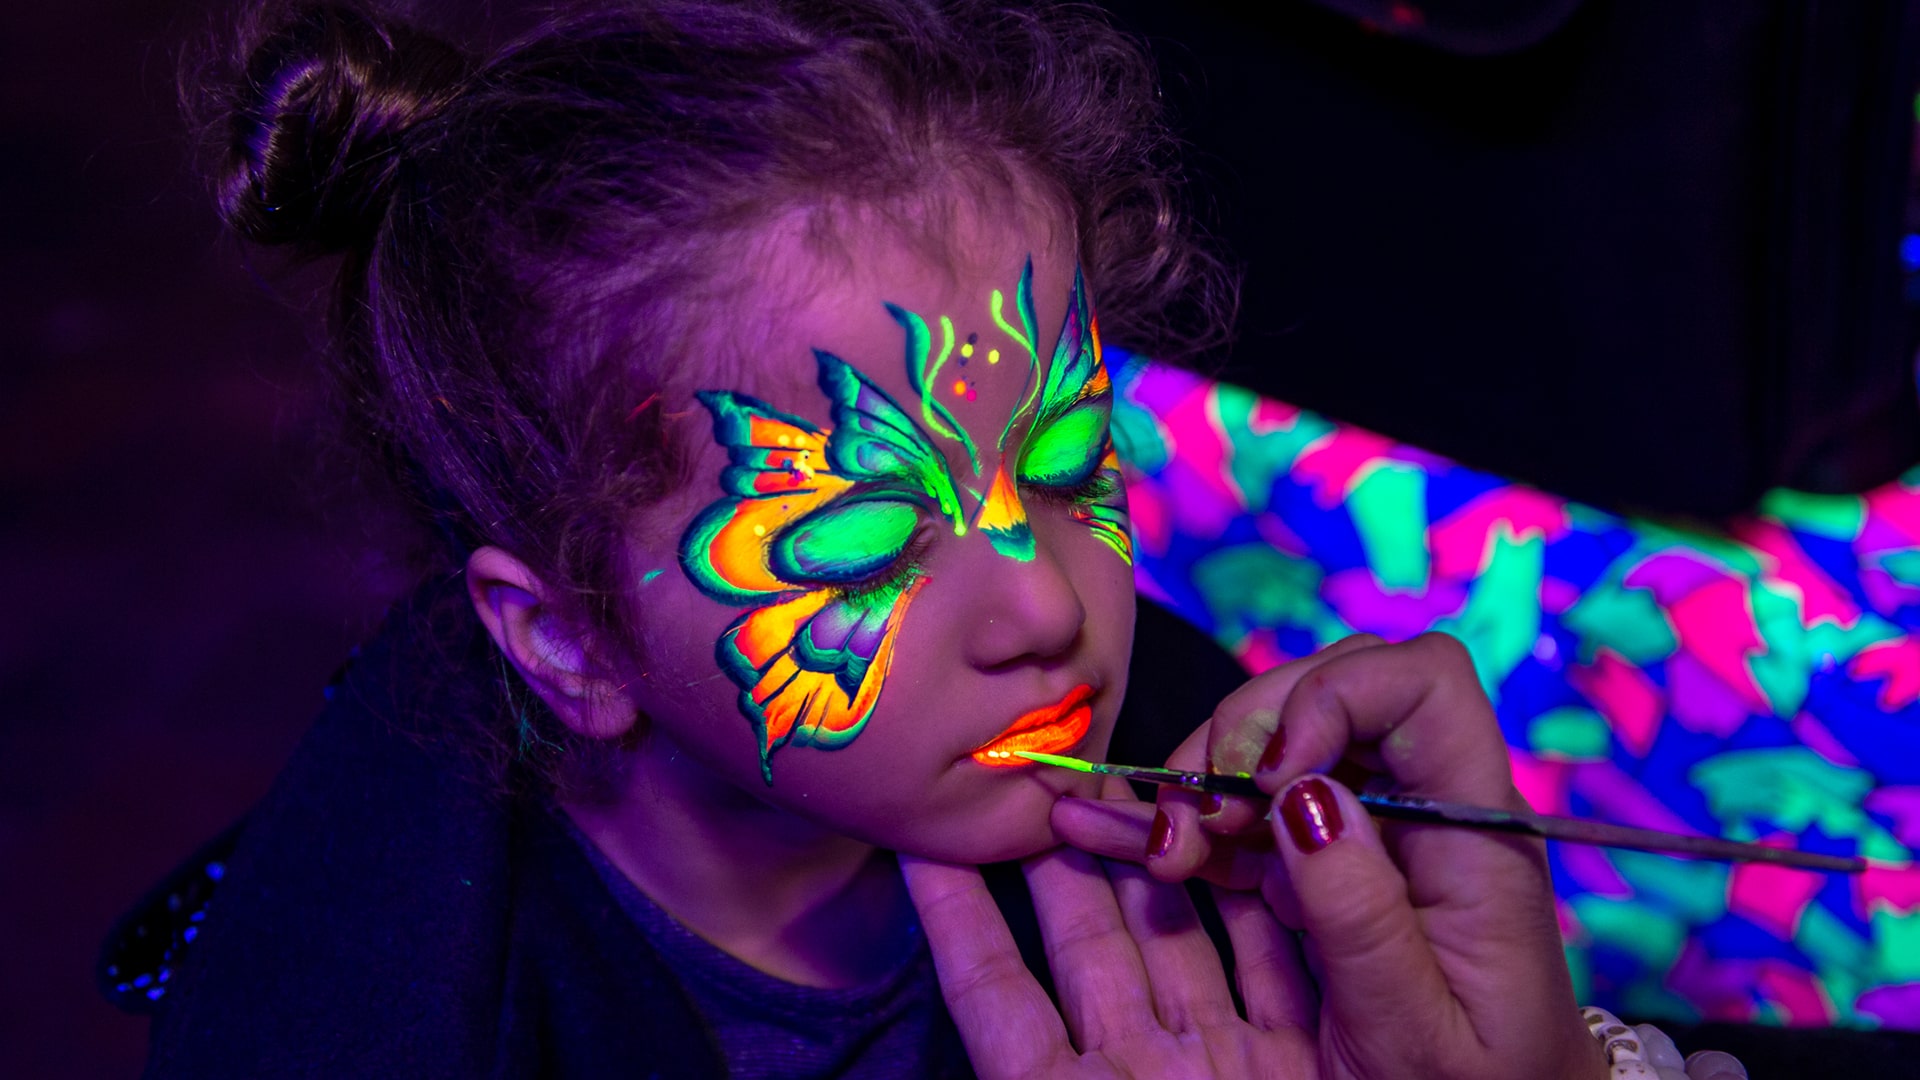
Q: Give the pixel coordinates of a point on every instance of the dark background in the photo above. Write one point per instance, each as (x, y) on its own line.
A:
(1644, 254)
(175, 595)
(1640, 252)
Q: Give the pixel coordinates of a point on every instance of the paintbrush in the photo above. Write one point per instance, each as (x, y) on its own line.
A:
(1435, 812)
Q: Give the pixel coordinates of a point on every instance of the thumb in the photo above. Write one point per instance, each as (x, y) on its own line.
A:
(1380, 981)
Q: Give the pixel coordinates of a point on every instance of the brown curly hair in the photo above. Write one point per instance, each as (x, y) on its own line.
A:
(529, 240)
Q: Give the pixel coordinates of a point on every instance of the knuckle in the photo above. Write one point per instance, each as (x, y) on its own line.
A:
(1319, 687)
(936, 906)
(1091, 937)
(1451, 650)
(1240, 730)
(990, 977)
(1365, 920)
(1177, 865)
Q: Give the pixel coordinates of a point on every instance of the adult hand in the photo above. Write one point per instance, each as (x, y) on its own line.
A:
(1436, 950)
(1141, 988)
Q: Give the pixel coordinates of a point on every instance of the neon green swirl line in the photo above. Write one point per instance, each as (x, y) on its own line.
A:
(997, 304)
(921, 372)
(1024, 301)
(929, 375)
(919, 344)
(929, 400)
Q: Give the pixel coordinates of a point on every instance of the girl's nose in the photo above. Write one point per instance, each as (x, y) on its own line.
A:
(1020, 610)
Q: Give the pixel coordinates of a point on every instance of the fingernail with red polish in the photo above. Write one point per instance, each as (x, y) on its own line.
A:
(1160, 837)
(1312, 815)
(1276, 749)
(1210, 803)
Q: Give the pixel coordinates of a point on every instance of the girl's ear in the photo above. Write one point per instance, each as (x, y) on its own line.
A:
(550, 655)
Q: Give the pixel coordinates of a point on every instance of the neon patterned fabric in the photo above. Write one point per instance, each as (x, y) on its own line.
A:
(1762, 685)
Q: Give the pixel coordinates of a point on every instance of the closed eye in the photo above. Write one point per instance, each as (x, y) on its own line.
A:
(884, 585)
(1097, 486)
(849, 545)
(1063, 452)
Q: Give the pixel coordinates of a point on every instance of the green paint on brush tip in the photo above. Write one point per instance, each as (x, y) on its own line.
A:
(1059, 760)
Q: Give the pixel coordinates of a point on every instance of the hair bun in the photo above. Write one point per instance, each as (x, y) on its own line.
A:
(327, 96)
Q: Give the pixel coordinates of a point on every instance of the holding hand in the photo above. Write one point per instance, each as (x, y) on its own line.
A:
(1436, 950)
(1142, 992)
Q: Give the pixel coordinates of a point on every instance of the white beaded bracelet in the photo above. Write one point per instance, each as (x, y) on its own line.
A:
(1622, 1043)
(1646, 1053)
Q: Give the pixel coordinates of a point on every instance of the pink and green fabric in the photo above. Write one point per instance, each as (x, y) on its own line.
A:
(1762, 684)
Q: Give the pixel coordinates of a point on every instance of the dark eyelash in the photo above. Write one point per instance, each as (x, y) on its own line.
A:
(1098, 485)
(896, 574)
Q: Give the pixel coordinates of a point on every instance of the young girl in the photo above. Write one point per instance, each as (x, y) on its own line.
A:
(743, 359)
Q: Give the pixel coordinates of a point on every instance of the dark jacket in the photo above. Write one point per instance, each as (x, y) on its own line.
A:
(387, 911)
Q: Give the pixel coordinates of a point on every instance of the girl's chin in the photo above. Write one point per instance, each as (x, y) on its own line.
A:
(964, 813)
(981, 850)
(1011, 830)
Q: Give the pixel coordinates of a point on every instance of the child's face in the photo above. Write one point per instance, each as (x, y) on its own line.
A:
(903, 554)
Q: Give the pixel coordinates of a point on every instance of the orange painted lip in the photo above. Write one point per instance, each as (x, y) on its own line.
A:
(1050, 729)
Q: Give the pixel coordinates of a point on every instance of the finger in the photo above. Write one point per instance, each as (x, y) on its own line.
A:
(1174, 848)
(1097, 970)
(1276, 889)
(1434, 977)
(1245, 721)
(1379, 971)
(1267, 965)
(1115, 826)
(1246, 725)
(1184, 975)
(1176, 845)
(1421, 701)
(1110, 828)
(1119, 829)
(1715, 1065)
(1233, 741)
(1422, 704)
(1485, 896)
(1004, 1018)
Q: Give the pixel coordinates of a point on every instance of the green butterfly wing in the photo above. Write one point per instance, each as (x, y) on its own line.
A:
(875, 441)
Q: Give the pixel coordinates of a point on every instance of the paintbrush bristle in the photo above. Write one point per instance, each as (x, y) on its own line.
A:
(1058, 760)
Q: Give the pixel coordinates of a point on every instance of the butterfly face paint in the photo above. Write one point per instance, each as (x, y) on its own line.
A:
(812, 532)
(818, 528)
(1068, 449)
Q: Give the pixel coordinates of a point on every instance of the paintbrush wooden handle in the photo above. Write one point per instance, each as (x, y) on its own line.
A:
(1603, 834)
(1387, 804)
